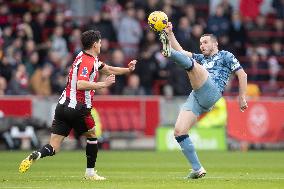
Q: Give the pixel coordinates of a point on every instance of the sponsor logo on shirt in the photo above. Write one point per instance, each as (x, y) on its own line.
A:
(209, 65)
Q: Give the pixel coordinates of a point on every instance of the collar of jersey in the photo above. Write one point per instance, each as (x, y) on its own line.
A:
(88, 54)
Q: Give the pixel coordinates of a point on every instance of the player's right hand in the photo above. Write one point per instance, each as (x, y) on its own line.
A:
(110, 80)
(169, 28)
(243, 104)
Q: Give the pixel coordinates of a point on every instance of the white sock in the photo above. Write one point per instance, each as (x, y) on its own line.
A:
(90, 171)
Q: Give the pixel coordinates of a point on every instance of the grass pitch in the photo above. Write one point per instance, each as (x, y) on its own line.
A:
(146, 169)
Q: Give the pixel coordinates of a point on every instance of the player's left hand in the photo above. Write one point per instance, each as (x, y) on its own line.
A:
(131, 65)
(243, 103)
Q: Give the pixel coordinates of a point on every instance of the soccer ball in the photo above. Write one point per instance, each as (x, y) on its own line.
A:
(157, 21)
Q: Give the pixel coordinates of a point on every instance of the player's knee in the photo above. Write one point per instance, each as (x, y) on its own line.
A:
(179, 132)
(91, 134)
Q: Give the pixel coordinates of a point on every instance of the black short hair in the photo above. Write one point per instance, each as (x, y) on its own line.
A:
(212, 36)
(88, 38)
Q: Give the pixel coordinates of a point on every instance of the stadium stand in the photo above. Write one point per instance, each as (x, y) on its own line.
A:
(45, 28)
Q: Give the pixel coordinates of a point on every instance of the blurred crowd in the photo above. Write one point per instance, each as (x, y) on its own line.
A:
(40, 38)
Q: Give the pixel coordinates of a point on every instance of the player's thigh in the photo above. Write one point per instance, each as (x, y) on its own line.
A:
(84, 123)
(197, 76)
(186, 119)
(60, 125)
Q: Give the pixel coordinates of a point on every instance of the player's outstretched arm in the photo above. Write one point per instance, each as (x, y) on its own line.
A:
(87, 85)
(173, 41)
(242, 76)
(118, 70)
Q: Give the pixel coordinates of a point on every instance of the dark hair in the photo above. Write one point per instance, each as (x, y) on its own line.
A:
(212, 36)
(88, 38)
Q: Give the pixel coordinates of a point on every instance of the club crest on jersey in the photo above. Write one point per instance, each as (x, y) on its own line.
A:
(84, 72)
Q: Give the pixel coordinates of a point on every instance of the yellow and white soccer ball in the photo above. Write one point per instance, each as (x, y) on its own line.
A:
(157, 21)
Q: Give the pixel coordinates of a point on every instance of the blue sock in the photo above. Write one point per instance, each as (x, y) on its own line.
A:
(182, 60)
(189, 151)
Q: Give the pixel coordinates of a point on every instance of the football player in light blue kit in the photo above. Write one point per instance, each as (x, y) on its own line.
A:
(208, 73)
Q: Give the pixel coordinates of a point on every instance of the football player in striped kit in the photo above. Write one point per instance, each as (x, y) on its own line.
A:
(73, 110)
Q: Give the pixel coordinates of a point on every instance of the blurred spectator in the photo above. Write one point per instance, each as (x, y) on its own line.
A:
(278, 5)
(24, 29)
(178, 79)
(194, 40)
(3, 86)
(190, 13)
(6, 69)
(133, 86)
(170, 10)
(146, 69)
(227, 7)
(278, 30)
(32, 63)
(103, 23)
(129, 33)
(75, 45)
(13, 51)
(113, 8)
(276, 49)
(7, 36)
(105, 55)
(183, 31)
(218, 24)
(225, 44)
(19, 83)
(149, 41)
(257, 33)
(40, 81)
(59, 44)
(141, 17)
(256, 69)
(118, 60)
(237, 34)
(162, 73)
(273, 68)
(5, 15)
(39, 27)
(150, 5)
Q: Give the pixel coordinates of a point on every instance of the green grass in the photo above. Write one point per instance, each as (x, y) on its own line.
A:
(146, 169)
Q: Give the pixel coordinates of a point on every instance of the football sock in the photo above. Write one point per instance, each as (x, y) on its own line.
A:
(189, 151)
(46, 150)
(181, 59)
(90, 171)
(91, 152)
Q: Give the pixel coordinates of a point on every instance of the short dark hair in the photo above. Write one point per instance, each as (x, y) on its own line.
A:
(212, 36)
(88, 38)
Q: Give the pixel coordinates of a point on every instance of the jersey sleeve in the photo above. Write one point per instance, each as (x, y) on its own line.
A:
(84, 70)
(232, 62)
(198, 57)
(101, 65)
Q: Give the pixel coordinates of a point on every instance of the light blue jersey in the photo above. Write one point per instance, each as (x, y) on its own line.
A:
(220, 66)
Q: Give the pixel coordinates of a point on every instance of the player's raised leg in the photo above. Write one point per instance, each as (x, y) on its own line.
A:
(91, 154)
(47, 150)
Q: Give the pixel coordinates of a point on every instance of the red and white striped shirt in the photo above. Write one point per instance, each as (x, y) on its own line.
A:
(85, 67)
